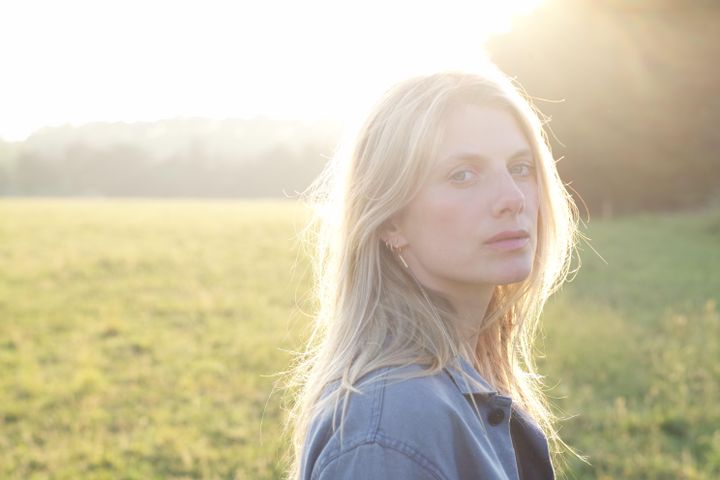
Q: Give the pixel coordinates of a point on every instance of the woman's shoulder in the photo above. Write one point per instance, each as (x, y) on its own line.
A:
(422, 396)
(390, 397)
(403, 409)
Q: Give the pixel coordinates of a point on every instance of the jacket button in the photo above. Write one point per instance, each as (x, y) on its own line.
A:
(496, 416)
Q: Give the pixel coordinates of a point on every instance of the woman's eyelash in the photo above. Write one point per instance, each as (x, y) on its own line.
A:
(455, 176)
(530, 167)
(465, 174)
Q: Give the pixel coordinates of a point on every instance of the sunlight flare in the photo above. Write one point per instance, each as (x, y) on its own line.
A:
(82, 61)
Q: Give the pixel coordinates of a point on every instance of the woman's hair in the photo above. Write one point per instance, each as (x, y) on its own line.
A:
(371, 313)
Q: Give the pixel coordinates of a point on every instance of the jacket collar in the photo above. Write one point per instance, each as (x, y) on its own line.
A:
(465, 387)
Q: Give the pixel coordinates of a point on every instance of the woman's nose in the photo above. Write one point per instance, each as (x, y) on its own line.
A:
(508, 198)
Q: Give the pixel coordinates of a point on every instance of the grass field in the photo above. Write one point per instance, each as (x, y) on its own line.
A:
(139, 339)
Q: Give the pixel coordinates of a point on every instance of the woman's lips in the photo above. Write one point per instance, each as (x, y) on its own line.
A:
(509, 244)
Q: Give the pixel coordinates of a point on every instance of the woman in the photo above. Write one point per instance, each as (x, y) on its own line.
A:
(440, 236)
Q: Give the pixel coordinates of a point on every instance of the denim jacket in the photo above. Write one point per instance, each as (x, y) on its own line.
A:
(426, 428)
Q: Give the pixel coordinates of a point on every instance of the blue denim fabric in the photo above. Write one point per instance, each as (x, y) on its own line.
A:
(424, 428)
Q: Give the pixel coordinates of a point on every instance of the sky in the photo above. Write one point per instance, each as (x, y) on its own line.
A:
(73, 62)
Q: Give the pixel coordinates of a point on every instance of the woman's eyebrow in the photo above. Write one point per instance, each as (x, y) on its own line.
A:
(521, 153)
(478, 158)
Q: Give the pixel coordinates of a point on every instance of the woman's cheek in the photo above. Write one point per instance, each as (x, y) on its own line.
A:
(445, 208)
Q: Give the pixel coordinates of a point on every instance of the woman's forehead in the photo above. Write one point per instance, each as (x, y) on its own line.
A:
(481, 132)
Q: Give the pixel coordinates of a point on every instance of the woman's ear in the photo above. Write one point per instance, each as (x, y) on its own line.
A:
(392, 235)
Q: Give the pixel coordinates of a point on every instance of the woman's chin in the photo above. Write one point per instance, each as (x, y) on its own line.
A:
(515, 276)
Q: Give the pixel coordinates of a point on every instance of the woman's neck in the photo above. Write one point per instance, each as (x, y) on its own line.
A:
(471, 310)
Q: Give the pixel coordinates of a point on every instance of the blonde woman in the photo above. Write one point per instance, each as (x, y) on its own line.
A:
(441, 234)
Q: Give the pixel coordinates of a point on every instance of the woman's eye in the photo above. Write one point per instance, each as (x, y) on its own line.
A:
(462, 176)
(522, 169)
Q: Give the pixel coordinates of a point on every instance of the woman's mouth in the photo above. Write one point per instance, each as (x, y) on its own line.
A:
(509, 240)
(509, 244)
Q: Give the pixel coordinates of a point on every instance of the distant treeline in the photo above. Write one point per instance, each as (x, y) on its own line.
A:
(634, 96)
(193, 157)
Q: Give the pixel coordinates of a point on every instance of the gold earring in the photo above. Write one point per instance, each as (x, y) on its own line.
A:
(402, 260)
(398, 251)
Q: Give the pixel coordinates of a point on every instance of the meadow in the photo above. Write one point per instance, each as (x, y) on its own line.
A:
(143, 339)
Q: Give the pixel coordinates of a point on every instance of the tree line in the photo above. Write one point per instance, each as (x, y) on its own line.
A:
(195, 157)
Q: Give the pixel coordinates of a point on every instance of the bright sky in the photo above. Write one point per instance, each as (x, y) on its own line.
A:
(74, 61)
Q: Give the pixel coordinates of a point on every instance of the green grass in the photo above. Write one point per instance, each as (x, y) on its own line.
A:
(139, 339)
(632, 348)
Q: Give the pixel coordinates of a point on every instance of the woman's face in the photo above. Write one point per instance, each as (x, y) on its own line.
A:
(483, 184)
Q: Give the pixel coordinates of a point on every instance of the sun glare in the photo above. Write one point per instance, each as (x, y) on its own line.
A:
(80, 61)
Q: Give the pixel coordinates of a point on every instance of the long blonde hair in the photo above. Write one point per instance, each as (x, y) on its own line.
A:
(370, 313)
